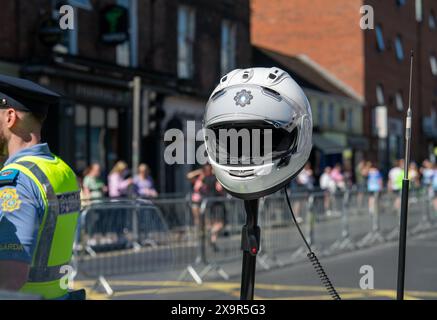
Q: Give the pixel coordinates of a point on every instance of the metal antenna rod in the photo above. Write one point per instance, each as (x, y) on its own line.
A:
(405, 190)
(408, 122)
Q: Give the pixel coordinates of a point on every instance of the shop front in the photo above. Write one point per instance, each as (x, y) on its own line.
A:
(92, 122)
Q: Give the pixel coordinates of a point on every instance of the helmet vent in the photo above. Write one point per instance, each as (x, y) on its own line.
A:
(272, 93)
(218, 94)
(247, 75)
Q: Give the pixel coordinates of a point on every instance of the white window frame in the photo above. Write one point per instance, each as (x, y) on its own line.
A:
(433, 64)
(399, 101)
(186, 32)
(380, 96)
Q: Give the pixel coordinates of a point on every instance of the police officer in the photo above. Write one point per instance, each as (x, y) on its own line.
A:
(39, 196)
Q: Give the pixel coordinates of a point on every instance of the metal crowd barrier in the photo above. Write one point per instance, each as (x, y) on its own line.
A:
(125, 237)
(118, 237)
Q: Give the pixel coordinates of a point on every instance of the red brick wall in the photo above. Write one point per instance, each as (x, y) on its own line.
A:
(327, 31)
(383, 67)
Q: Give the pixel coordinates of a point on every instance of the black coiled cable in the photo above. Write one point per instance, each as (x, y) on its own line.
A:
(313, 258)
(323, 276)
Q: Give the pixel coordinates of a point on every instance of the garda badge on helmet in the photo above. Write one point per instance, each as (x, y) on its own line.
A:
(243, 98)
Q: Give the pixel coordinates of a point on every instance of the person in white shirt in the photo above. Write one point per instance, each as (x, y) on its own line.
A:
(327, 184)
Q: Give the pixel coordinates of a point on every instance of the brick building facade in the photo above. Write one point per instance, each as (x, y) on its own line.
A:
(179, 49)
(374, 63)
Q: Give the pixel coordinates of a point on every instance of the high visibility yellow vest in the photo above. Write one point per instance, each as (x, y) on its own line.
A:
(60, 192)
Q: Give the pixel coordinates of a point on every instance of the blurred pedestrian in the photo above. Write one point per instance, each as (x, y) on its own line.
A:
(434, 187)
(305, 179)
(207, 186)
(414, 175)
(427, 172)
(93, 186)
(363, 174)
(196, 197)
(304, 183)
(360, 179)
(337, 176)
(374, 187)
(395, 177)
(327, 184)
(144, 182)
(119, 180)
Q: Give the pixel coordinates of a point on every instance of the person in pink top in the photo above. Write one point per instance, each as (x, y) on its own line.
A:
(117, 184)
(338, 177)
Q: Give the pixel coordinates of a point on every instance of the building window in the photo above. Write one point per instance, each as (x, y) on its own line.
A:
(374, 128)
(419, 11)
(331, 115)
(431, 20)
(380, 99)
(96, 136)
(433, 62)
(399, 48)
(380, 38)
(400, 3)
(186, 32)
(399, 100)
(320, 114)
(350, 119)
(228, 47)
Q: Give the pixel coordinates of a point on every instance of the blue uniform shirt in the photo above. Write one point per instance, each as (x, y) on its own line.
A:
(20, 218)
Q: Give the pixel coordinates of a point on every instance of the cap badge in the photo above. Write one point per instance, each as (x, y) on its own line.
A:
(243, 98)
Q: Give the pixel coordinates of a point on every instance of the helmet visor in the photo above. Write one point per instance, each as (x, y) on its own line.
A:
(248, 143)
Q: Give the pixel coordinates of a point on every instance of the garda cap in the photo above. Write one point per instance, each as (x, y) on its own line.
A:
(25, 95)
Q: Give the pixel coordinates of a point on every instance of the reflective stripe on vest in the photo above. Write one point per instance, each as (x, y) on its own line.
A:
(44, 274)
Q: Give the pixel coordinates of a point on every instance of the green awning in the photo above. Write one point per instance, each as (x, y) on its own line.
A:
(326, 145)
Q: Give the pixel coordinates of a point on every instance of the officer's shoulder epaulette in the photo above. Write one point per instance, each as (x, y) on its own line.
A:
(8, 176)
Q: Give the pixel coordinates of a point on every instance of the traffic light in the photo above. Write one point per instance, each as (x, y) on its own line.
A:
(153, 114)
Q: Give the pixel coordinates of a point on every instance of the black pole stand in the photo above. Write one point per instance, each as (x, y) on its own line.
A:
(250, 239)
(404, 199)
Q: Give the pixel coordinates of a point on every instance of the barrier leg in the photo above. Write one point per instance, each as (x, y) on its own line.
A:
(425, 223)
(267, 258)
(102, 282)
(201, 259)
(345, 243)
(374, 236)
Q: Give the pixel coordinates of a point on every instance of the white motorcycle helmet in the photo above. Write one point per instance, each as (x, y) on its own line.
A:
(270, 106)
